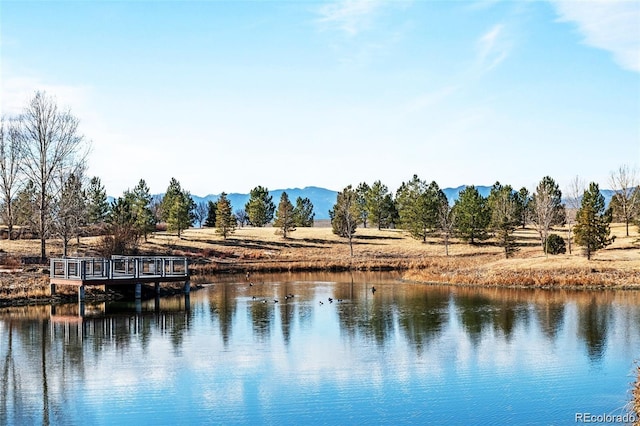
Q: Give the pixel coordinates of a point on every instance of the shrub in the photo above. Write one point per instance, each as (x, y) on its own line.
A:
(555, 244)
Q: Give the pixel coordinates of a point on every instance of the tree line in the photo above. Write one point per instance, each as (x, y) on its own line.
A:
(423, 210)
(43, 189)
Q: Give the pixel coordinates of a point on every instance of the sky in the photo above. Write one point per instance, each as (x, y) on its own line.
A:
(229, 95)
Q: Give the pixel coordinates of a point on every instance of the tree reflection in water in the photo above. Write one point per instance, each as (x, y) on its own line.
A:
(45, 352)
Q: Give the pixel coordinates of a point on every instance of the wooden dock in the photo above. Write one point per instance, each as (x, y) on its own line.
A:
(118, 270)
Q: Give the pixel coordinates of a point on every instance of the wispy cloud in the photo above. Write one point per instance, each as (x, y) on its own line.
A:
(492, 48)
(611, 25)
(349, 16)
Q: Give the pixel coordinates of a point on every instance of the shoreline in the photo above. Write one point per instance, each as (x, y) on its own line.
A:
(317, 249)
(22, 288)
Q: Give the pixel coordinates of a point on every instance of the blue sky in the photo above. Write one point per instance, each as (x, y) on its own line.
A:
(225, 96)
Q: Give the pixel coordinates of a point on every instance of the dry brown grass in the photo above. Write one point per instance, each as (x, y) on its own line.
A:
(313, 249)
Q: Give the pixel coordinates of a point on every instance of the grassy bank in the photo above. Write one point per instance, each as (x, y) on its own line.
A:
(318, 249)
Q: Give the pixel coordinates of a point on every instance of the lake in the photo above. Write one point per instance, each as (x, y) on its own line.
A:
(402, 354)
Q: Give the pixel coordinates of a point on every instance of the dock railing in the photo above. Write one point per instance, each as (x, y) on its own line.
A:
(119, 267)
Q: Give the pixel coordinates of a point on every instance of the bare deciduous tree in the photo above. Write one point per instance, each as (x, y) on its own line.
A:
(345, 215)
(547, 208)
(624, 182)
(200, 212)
(52, 147)
(573, 199)
(10, 162)
(70, 210)
(447, 222)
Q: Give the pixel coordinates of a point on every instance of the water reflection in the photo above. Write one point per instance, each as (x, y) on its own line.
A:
(328, 334)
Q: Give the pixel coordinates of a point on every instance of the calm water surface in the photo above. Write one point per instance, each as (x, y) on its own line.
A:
(406, 354)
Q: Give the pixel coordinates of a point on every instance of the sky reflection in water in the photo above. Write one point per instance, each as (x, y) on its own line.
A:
(405, 354)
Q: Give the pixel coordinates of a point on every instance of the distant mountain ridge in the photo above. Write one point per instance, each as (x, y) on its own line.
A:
(323, 199)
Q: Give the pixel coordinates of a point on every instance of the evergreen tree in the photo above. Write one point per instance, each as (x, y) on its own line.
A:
(173, 192)
(345, 215)
(144, 220)
(592, 222)
(212, 208)
(377, 205)
(285, 218)
(523, 207)
(504, 206)
(97, 203)
(123, 236)
(25, 206)
(361, 201)
(260, 207)
(303, 214)
(418, 205)
(177, 207)
(390, 217)
(225, 221)
(472, 215)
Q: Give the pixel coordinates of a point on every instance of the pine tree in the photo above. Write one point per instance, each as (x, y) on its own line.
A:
(212, 208)
(260, 207)
(97, 203)
(123, 236)
(376, 199)
(225, 221)
(472, 215)
(285, 218)
(177, 207)
(141, 209)
(523, 206)
(592, 222)
(504, 216)
(418, 205)
(303, 214)
(345, 215)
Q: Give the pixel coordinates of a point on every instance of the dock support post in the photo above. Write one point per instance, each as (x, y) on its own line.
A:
(187, 287)
(52, 287)
(157, 288)
(138, 291)
(81, 294)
